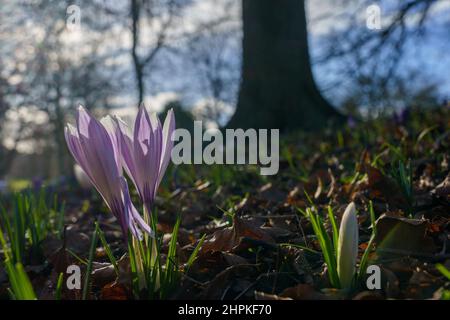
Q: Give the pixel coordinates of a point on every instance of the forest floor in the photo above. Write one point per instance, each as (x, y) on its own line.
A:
(258, 242)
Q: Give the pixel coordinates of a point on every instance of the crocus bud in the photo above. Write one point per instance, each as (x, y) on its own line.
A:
(81, 176)
(348, 247)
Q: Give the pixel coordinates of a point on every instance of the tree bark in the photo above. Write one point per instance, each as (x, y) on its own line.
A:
(277, 86)
(138, 66)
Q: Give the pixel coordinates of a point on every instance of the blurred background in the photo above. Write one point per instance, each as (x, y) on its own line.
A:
(288, 64)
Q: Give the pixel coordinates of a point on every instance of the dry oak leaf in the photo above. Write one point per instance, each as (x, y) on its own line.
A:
(442, 191)
(115, 291)
(384, 187)
(229, 238)
(403, 236)
(218, 287)
(303, 292)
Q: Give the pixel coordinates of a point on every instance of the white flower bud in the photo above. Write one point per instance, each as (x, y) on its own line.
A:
(81, 176)
(348, 247)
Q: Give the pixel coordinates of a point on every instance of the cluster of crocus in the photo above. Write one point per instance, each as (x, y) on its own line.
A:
(103, 151)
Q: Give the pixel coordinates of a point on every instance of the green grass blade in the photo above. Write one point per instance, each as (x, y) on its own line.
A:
(335, 230)
(365, 256)
(194, 254)
(6, 249)
(133, 267)
(6, 222)
(59, 285)
(25, 283)
(443, 270)
(21, 287)
(87, 278)
(77, 257)
(171, 268)
(326, 246)
(372, 217)
(101, 236)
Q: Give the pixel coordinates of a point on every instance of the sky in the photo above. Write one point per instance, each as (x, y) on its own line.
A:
(429, 54)
(171, 78)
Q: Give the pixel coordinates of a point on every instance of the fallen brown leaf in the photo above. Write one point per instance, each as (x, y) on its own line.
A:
(229, 238)
(403, 236)
(385, 188)
(115, 291)
(303, 292)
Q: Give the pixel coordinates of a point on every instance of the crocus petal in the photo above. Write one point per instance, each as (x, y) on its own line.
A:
(157, 143)
(135, 220)
(126, 145)
(141, 222)
(110, 125)
(100, 156)
(73, 142)
(348, 246)
(146, 153)
(145, 156)
(167, 143)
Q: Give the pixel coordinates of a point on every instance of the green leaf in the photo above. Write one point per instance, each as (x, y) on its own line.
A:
(326, 246)
(335, 230)
(87, 277)
(443, 270)
(105, 245)
(194, 254)
(59, 285)
(365, 256)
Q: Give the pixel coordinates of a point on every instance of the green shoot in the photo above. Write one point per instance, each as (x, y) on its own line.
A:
(402, 173)
(365, 257)
(150, 276)
(194, 254)
(27, 221)
(101, 236)
(59, 285)
(443, 270)
(446, 273)
(326, 245)
(335, 230)
(21, 287)
(87, 277)
(170, 273)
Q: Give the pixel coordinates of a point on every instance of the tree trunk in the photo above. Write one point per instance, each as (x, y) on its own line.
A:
(277, 87)
(138, 66)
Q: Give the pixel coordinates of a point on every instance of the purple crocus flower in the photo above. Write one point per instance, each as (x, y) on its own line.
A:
(146, 152)
(97, 151)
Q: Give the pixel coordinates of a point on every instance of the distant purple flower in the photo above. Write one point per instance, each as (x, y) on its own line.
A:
(401, 116)
(446, 103)
(146, 152)
(97, 151)
(351, 122)
(37, 183)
